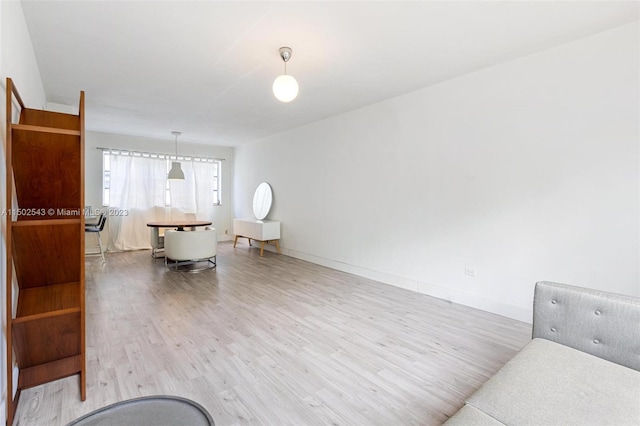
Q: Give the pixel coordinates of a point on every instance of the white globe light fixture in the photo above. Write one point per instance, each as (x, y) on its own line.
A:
(285, 87)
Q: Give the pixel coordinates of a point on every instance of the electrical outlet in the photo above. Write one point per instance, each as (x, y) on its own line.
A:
(470, 272)
(226, 231)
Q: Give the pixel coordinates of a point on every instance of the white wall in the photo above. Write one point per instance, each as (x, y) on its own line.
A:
(223, 215)
(17, 60)
(522, 172)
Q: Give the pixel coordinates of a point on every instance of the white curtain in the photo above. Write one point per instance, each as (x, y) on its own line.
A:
(138, 186)
(203, 188)
(194, 194)
(182, 191)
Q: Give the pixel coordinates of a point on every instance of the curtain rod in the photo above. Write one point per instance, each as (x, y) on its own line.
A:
(159, 153)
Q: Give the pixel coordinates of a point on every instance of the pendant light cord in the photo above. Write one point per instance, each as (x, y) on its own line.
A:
(176, 134)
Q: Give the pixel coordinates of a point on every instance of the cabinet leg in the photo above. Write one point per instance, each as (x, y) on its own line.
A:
(278, 246)
(235, 242)
(261, 247)
(83, 385)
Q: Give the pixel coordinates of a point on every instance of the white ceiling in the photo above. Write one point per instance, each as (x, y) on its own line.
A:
(206, 68)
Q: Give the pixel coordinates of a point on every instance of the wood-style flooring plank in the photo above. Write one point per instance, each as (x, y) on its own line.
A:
(275, 341)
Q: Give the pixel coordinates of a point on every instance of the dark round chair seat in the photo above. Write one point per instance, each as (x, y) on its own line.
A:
(160, 410)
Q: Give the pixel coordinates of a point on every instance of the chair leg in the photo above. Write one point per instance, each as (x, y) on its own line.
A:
(170, 266)
(100, 245)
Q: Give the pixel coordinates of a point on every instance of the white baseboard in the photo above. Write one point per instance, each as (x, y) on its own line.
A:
(452, 295)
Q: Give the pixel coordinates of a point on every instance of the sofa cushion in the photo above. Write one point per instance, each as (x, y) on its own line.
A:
(603, 324)
(471, 416)
(551, 384)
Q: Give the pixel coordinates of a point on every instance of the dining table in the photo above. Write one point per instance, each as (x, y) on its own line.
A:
(180, 225)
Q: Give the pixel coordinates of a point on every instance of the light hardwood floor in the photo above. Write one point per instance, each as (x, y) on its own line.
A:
(275, 341)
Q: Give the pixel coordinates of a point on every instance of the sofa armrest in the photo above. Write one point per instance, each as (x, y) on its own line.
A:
(605, 325)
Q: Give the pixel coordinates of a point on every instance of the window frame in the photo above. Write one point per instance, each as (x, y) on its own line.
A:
(106, 173)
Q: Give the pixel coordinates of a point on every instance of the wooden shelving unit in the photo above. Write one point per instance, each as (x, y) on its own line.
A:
(45, 233)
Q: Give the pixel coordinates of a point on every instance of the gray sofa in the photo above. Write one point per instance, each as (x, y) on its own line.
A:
(581, 368)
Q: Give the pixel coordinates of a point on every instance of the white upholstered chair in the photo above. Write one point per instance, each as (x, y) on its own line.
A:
(189, 248)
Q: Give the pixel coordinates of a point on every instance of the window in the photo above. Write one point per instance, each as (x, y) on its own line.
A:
(106, 177)
(216, 183)
(193, 165)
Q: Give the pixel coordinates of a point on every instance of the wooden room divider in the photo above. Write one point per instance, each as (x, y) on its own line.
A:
(45, 246)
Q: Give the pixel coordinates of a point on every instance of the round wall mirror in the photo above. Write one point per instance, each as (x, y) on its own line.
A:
(262, 201)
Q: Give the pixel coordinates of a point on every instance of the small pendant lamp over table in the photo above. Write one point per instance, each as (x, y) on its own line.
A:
(285, 87)
(176, 168)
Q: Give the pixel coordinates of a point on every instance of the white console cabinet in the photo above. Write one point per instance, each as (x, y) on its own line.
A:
(265, 231)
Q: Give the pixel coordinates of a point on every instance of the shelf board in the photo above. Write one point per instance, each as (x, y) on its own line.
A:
(45, 222)
(47, 255)
(39, 374)
(38, 117)
(44, 316)
(47, 299)
(46, 169)
(42, 338)
(43, 129)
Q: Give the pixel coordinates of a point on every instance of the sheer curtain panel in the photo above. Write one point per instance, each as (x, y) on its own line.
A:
(138, 186)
